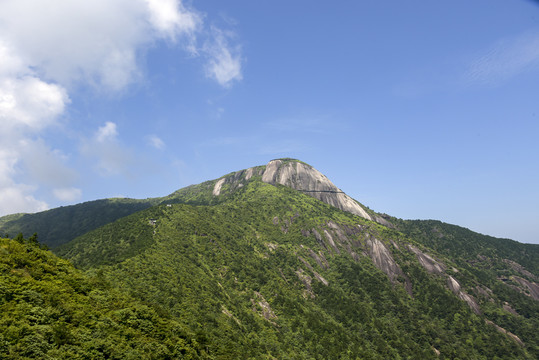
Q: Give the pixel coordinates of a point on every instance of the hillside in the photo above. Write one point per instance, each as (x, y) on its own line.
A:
(277, 262)
(50, 310)
(61, 225)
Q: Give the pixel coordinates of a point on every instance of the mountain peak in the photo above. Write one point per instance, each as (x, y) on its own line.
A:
(299, 176)
(305, 178)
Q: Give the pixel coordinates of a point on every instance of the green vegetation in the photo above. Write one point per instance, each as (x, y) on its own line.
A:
(229, 274)
(50, 310)
(493, 263)
(260, 272)
(61, 225)
(465, 245)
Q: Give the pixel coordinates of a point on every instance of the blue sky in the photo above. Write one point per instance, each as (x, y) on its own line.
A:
(419, 109)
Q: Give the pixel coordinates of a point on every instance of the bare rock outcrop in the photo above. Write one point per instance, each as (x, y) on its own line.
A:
(522, 285)
(530, 288)
(483, 291)
(301, 177)
(384, 261)
(509, 309)
(319, 258)
(329, 237)
(217, 187)
(318, 238)
(228, 313)
(306, 280)
(305, 178)
(263, 308)
(236, 179)
(428, 262)
(317, 276)
(382, 258)
(454, 286)
(519, 268)
(508, 333)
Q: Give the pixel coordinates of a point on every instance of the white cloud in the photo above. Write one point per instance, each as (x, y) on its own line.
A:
(30, 102)
(92, 41)
(110, 156)
(506, 59)
(225, 61)
(50, 48)
(156, 142)
(16, 198)
(24, 163)
(67, 194)
(106, 132)
(100, 41)
(170, 18)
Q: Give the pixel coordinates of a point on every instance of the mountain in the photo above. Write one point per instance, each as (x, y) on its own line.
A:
(60, 225)
(276, 261)
(50, 310)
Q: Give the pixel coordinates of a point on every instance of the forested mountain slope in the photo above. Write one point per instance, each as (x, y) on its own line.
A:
(50, 310)
(285, 266)
(60, 225)
(274, 271)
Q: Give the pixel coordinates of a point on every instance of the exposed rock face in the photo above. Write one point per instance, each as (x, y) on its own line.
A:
(306, 280)
(454, 286)
(331, 241)
(249, 173)
(519, 268)
(531, 287)
(508, 333)
(305, 178)
(509, 309)
(427, 261)
(320, 259)
(236, 180)
(265, 309)
(383, 260)
(484, 292)
(217, 187)
(522, 285)
(301, 177)
(319, 238)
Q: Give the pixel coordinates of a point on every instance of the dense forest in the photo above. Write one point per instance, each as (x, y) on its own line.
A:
(262, 271)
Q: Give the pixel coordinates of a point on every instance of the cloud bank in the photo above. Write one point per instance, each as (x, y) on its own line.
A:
(48, 49)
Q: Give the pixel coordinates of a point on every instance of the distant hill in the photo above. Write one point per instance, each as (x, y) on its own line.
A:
(276, 262)
(60, 225)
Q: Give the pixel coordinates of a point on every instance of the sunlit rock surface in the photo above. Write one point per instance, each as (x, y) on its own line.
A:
(305, 178)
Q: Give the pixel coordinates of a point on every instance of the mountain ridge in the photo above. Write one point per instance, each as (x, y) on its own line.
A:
(262, 269)
(280, 171)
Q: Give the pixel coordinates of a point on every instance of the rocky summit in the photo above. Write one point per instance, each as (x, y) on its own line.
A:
(301, 177)
(270, 262)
